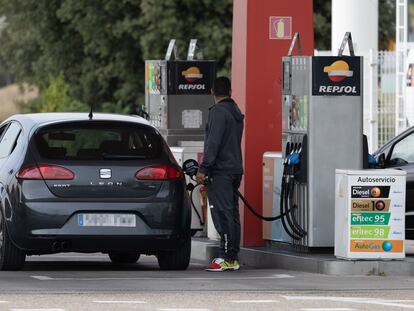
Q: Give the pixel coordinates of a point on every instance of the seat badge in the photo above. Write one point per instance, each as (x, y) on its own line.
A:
(105, 173)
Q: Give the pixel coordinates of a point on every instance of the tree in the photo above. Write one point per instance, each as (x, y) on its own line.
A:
(56, 98)
(95, 43)
(209, 21)
(322, 24)
(386, 23)
(100, 45)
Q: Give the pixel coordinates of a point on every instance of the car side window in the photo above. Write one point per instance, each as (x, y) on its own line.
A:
(8, 141)
(403, 151)
(3, 130)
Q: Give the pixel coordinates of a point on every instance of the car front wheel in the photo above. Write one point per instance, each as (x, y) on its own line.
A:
(11, 257)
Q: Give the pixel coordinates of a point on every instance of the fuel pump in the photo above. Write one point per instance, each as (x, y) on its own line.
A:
(177, 100)
(322, 130)
(178, 93)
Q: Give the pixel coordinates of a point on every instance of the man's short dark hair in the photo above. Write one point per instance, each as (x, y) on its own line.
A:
(222, 86)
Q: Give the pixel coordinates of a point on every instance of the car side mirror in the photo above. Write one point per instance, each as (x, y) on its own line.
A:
(381, 160)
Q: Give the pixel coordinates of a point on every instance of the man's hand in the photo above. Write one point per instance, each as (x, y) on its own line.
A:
(200, 178)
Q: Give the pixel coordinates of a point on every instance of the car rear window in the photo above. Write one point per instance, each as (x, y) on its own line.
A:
(80, 141)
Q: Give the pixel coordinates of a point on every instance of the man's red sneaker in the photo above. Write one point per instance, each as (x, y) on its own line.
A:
(219, 264)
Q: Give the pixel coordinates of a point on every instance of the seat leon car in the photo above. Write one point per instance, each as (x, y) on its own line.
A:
(398, 153)
(108, 184)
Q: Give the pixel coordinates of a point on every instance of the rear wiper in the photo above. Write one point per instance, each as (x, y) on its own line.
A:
(121, 156)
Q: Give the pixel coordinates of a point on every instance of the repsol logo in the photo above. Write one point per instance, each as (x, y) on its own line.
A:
(333, 89)
(191, 86)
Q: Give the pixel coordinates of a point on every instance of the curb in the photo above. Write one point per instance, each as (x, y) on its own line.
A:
(270, 258)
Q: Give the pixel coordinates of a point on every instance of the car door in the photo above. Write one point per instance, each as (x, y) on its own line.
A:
(401, 156)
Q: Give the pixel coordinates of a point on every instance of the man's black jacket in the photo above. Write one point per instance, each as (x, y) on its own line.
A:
(222, 145)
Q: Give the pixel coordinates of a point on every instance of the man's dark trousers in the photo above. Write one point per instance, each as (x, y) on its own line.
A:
(224, 208)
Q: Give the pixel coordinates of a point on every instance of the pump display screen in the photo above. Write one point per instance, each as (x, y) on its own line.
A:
(286, 77)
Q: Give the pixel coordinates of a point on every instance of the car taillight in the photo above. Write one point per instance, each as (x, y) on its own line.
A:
(159, 172)
(45, 171)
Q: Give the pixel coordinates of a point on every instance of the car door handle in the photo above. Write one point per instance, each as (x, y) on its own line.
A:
(11, 171)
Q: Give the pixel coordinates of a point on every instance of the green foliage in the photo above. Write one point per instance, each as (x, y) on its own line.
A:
(55, 98)
(114, 108)
(386, 23)
(209, 21)
(101, 45)
(322, 24)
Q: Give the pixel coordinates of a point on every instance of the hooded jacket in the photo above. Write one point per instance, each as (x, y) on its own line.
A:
(222, 144)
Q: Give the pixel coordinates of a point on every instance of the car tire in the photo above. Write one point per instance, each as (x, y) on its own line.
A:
(12, 258)
(123, 258)
(178, 259)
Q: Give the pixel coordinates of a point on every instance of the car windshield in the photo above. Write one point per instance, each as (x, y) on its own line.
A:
(80, 141)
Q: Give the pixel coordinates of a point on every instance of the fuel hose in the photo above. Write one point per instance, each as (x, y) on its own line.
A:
(284, 197)
(191, 189)
(242, 198)
(255, 213)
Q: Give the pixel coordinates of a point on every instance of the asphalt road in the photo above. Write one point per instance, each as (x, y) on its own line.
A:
(90, 282)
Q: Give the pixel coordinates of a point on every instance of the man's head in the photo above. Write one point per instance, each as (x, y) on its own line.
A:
(221, 89)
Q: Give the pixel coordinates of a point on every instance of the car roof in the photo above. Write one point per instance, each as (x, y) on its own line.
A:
(33, 119)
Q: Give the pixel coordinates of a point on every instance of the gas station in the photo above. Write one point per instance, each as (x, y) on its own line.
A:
(306, 157)
(134, 201)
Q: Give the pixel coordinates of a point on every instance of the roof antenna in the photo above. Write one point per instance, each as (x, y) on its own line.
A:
(91, 112)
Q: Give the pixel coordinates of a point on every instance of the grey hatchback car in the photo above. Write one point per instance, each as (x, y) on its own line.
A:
(108, 184)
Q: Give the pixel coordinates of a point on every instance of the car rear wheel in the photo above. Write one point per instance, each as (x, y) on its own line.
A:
(178, 259)
(11, 257)
(124, 257)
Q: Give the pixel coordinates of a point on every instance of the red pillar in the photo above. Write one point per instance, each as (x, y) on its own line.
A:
(260, 39)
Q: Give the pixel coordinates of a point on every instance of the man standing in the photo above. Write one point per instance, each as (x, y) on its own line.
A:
(223, 165)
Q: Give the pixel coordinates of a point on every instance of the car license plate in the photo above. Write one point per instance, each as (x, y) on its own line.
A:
(106, 220)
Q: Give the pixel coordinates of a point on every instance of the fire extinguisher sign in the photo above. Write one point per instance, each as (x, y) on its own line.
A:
(280, 27)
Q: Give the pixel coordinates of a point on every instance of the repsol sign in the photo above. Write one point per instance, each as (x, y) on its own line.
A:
(190, 77)
(334, 89)
(335, 76)
(191, 86)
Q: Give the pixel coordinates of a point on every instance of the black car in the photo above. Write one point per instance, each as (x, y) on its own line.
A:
(108, 184)
(398, 153)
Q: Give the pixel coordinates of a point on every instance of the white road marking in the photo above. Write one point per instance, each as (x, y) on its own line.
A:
(282, 276)
(254, 301)
(41, 277)
(37, 310)
(373, 301)
(63, 256)
(327, 309)
(120, 301)
(48, 278)
(183, 309)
